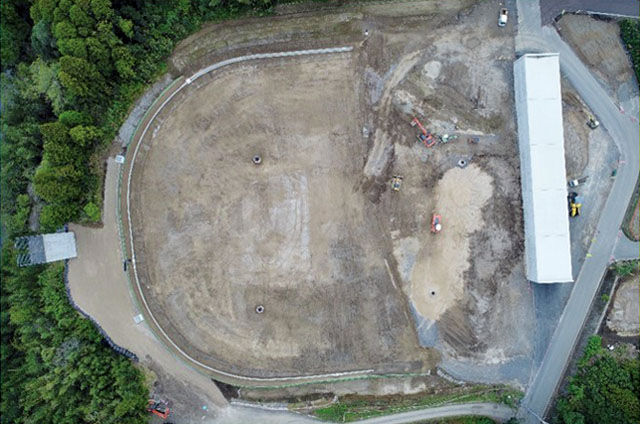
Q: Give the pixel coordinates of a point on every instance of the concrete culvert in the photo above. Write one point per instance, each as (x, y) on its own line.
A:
(259, 309)
(257, 160)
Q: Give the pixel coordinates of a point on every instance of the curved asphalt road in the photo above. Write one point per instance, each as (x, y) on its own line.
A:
(624, 131)
(243, 414)
(553, 8)
(500, 413)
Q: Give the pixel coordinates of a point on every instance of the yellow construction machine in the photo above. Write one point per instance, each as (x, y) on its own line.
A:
(575, 203)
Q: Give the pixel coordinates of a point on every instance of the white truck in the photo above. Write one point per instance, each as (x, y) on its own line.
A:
(502, 19)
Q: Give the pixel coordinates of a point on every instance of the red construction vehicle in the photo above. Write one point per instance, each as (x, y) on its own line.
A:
(426, 137)
(158, 408)
(436, 223)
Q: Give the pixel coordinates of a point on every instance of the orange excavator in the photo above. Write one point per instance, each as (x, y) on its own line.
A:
(425, 136)
(158, 408)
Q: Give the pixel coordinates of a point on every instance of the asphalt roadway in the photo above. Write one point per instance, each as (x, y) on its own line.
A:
(623, 128)
(244, 414)
(552, 8)
(626, 249)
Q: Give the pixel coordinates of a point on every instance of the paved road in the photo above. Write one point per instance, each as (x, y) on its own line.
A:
(552, 8)
(242, 414)
(625, 134)
(626, 249)
(500, 413)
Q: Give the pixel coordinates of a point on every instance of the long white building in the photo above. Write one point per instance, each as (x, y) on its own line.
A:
(543, 175)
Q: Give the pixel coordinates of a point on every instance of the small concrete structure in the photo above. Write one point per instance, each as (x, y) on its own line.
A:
(46, 248)
(542, 166)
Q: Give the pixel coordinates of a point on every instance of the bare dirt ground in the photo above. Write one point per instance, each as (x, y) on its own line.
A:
(341, 263)
(597, 44)
(623, 315)
(575, 115)
(298, 239)
(437, 281)
(100, 288)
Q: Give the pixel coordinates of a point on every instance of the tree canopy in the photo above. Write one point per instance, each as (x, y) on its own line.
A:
(71, 69)
(604, 390)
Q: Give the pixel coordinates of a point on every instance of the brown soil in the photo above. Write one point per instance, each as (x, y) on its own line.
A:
(437, 281)
(575, 115)
(100, 288)
(623, 315)
(314, 233)
(298, 238)
(598, 45)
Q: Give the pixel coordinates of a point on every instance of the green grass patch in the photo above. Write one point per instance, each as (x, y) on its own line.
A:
(630, 33)
(352, 407)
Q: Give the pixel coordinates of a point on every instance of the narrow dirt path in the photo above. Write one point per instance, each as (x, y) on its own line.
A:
(100, 287)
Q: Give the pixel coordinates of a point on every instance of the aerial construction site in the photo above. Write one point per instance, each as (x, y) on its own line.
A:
(355, 210)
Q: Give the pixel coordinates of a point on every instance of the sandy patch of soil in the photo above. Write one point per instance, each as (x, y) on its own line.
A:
(437, 279)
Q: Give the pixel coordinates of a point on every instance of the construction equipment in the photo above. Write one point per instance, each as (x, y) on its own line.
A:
(447, 138)
(396, 182)
(575, 203)
(436, 223)
(502, 19)
(158, 408)
(576, 183)
(425, 137)
(593, 123)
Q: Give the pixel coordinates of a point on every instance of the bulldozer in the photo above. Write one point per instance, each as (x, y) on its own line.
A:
(575, 203)
(396, 182)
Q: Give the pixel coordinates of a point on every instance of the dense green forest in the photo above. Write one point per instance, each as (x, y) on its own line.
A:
(71, 70)
(605, 388)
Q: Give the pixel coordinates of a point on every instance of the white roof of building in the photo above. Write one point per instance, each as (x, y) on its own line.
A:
(58, 246)
(543, 174)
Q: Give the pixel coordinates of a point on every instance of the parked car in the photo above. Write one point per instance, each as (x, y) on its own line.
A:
(502, 19)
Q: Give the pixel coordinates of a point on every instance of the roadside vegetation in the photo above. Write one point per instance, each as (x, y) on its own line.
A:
(604, 389)
(71, 70)
(630, 33)
(631, 222)
(626, 268)
(353, 407)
